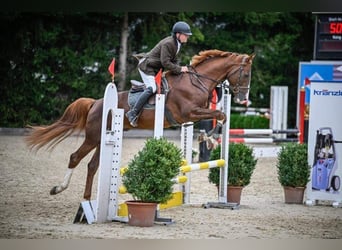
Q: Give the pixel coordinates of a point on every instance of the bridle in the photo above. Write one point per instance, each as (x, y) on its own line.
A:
(224, 83)
(236, 89)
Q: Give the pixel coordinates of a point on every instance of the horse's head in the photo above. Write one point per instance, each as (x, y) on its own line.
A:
(239, 78)
(216, 66)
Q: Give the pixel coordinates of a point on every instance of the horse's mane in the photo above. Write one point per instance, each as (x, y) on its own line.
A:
(206, 54)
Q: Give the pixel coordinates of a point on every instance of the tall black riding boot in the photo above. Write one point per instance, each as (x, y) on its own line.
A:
(134, 113)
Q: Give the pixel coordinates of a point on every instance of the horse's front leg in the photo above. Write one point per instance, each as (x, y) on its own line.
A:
(205, 114)
(217, 130)
(201, 114)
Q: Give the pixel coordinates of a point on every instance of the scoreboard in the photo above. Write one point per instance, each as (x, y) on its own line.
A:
(328, 36)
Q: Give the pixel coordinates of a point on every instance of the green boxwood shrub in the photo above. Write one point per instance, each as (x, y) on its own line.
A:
(150, 173)
(241, 164)
(292, 165)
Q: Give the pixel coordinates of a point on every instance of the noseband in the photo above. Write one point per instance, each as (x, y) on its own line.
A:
(235, 89)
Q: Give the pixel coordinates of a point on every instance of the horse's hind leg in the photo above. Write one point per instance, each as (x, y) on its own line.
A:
(93, 165)
(75, 158)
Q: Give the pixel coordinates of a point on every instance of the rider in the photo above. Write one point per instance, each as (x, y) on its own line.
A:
(162, 56)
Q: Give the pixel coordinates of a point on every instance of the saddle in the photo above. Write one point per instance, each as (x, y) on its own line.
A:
(138, 87)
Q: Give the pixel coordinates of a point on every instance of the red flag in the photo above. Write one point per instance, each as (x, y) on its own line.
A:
(213, 104)
(307, 81)
(111, 67)
(158, 80)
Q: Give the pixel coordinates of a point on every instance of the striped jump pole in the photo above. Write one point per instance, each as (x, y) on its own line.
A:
(262, 140)
(265, 140)
(262, 131)
(202, 165)
(178, 180)
(182, 179)
(186, 168)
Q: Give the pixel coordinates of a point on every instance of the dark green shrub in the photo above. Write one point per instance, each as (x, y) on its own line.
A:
(241, 164)
(292, 165)
(150, 173)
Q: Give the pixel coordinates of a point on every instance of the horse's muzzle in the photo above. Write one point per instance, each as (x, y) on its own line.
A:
(240, 99)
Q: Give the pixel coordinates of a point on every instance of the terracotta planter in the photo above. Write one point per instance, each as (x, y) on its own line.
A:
(294, 195)
(234, 194)
(141, 214)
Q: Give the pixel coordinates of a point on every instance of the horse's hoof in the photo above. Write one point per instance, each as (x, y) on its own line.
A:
(53, 191)
(215, 131)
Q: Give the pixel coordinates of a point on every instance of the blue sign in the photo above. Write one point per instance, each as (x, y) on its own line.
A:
(318, 71)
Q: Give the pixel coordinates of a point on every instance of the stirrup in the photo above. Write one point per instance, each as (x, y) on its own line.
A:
(132, 120)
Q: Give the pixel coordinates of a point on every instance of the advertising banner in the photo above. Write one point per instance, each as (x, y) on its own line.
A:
(324, 71)
(325, 143)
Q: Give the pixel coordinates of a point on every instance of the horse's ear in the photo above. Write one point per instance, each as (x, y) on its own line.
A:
(250, 58)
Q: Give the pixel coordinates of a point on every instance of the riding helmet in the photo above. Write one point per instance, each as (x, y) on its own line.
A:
(181, 27)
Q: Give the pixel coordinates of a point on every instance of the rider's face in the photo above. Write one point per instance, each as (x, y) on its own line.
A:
(182, 37)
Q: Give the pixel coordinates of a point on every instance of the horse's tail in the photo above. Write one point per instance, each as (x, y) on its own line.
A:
(73, 120)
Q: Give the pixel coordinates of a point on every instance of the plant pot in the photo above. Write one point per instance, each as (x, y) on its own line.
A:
(141, 214)
(294, 195)
(234, 194)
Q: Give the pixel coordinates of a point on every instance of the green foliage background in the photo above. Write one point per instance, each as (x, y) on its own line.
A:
(48, 60)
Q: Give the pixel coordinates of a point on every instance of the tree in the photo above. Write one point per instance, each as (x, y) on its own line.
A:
(123, 53)
(49, 60)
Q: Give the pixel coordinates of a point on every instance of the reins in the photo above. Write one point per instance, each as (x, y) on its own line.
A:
(225, 83)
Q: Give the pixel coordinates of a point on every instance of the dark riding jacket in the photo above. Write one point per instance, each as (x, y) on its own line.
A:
(162, 56)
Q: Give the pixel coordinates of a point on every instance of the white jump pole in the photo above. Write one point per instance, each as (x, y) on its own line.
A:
(278, 105)
(225, 150)
(222, 197)
(105, 207)
(110, 157)
(158, 133)
(159, 116)
(186, 146)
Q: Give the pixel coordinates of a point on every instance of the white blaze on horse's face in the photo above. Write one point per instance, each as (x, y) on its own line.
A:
(243, 95)
(242, 79)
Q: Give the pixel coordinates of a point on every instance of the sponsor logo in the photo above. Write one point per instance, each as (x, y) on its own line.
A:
(326, 92)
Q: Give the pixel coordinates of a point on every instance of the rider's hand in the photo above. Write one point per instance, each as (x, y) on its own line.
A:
(184, 69)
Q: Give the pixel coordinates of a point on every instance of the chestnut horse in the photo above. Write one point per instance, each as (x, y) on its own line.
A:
(187, 100)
